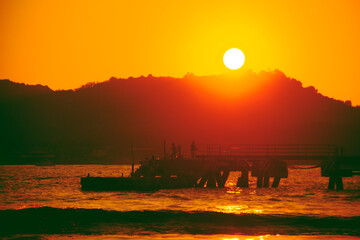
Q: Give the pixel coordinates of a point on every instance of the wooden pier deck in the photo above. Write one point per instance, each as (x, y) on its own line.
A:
(212, 165)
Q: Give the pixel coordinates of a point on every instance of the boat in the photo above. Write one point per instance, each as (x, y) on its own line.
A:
(135, 183)
(152, 175)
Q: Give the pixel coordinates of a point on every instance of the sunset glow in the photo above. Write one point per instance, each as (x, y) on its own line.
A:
(219, 120)
(64, 44)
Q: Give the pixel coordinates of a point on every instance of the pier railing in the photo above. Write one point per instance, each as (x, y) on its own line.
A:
(299, 150)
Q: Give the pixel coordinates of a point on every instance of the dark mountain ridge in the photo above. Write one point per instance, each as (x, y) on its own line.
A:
(99, 121)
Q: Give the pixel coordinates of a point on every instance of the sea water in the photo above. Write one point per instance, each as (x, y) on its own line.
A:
(46, 202)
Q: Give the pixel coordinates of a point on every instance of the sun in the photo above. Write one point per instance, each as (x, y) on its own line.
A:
(234, 58)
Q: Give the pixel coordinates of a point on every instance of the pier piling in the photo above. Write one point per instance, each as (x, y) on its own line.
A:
(221, 178)
(259, 181)
(211, 182)
(266, 182)
(335, 183)
(276, 182)
(243, 181)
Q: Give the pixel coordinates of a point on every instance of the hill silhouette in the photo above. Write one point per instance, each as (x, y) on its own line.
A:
(99, 121)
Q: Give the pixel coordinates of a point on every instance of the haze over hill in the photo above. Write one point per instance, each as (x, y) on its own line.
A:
(99, 121)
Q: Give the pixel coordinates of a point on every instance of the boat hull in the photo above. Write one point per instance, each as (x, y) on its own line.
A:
(134, 183)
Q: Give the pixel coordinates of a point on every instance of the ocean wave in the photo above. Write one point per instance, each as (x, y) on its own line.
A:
(47, 220)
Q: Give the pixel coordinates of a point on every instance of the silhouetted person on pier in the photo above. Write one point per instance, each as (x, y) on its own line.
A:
(174, 150)
(193, 149)
(179, 151)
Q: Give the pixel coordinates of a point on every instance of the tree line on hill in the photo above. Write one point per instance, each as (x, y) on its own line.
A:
(98, 122)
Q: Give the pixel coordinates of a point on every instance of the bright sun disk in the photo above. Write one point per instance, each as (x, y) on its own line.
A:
(234, 58)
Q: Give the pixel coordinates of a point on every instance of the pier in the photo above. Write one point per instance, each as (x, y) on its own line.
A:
(267, 162)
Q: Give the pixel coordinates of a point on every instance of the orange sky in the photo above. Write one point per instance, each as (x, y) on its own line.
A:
(65, 44)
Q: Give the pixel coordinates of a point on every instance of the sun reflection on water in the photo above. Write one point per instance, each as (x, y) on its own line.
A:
(252, 238)
(234, 191)
(238, 209)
